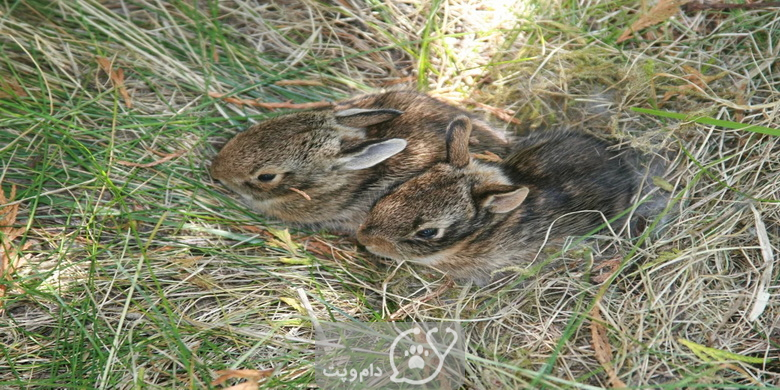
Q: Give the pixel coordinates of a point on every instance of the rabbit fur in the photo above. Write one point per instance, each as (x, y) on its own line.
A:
(469, 218)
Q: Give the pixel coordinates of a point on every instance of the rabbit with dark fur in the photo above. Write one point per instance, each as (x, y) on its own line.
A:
(469, 218)
(325, 168)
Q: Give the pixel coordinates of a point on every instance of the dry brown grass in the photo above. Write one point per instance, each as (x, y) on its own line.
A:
(149, 276)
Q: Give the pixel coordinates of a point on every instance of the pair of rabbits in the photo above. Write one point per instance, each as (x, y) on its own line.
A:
(397, 169)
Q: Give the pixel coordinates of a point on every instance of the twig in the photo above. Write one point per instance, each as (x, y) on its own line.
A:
(303, 194)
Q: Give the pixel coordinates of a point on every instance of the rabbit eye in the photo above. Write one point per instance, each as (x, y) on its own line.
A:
(427, 234)
(266, 177)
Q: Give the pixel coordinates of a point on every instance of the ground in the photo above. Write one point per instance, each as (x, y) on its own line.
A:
(126, 266)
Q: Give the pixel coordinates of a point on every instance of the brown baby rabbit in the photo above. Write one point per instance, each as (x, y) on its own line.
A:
(325, 168)
(469, 218)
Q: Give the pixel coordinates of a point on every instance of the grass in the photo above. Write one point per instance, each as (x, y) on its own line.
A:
(151, 276)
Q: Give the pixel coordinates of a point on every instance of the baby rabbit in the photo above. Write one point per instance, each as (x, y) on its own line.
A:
(469, 217)
(325, 168)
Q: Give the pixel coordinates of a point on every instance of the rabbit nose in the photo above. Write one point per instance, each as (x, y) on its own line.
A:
(372, 241)
(364, 236)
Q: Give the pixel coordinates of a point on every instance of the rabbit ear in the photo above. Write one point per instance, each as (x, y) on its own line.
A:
(369, 155)
(359, 117)
(458, 133)
(502, 198)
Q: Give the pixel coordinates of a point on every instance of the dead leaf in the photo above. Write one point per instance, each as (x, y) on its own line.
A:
(254, 229)
(117, 78)
(602, 348)
(303, 194)
(253, 378)
(10, 261)
(662, 11)
(269, 106)
(8, 216)
(12, 85)
(320, 248)
(613, 267)
(167, 157)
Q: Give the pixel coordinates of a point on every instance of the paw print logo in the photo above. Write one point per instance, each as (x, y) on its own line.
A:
(414, 356)
(416, 352)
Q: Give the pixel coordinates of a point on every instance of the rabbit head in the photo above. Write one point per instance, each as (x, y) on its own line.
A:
(434, 218)
(317, 153)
